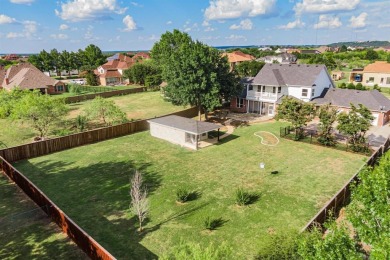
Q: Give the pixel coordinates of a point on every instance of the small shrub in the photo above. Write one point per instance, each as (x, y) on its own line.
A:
(185, 251)
(74, 89)
(351, 86)
(242, 197)
(213, 223)
(343, 85)
(359, 86)
(81, 122)
(182, 195)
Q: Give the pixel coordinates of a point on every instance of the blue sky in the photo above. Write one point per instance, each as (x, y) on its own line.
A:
(28, 26)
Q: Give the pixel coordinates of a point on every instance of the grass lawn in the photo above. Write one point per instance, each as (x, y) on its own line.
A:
(26, 232)
(91, 184)
(137, 106)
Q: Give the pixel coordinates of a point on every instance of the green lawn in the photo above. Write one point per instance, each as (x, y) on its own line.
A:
(26, 232)
(91, 184)
(137, 106)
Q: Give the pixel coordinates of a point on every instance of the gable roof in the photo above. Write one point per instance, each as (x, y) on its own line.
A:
(186, 124)
(373, 99)
(26, 76)
(378, 67)
(288, 74)
(238, 56)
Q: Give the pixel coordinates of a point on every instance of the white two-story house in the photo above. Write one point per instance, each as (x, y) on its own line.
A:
(274, 81)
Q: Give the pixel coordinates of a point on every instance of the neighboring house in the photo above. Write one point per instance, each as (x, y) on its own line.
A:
(337, 75)
(283, 58)
(62, 73)
(236, 57)
(280, 50)
(310, 52)
(179, 130)
(324, 49)
(383, 48)
(27, 76)
(265, 91)
(111, 73)
(265, 49)
(377, 73)
(356, 75)
(373, 100)
(11, 57)
(292, 50)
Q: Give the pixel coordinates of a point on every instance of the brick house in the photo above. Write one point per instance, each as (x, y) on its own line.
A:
(27, 76)
(236, 57)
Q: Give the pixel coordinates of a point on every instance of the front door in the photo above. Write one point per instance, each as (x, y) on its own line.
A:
(271, 110)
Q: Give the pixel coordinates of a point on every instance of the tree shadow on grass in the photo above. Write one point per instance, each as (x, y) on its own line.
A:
(96, 197)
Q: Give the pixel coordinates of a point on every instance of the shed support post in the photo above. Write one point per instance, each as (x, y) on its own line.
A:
(218, 135)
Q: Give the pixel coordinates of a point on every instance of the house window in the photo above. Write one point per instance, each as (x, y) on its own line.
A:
(371, 79)
(312, 92)
(258, 88)
(274, 90)
(240, 102)
(250, 87)
(382, 80)
(279, 90)
(388, 81)
(59, 88)
(304, 92)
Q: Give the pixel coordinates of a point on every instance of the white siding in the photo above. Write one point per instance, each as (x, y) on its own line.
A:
(323, 81)
(172, 135)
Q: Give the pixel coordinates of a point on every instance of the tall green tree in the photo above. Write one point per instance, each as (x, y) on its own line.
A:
(249, 68)
(92, 56)
(297, 112)
(56, 61)
(36, 61)
(327, 116)
(47, 60)
(40, 111)
(371, 55)
(355, 124)
(105, 111)
(196, 74)
(369, 210)
(139, 72)
(66, 60)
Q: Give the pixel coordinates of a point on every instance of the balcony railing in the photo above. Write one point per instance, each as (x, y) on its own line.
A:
(254, 95)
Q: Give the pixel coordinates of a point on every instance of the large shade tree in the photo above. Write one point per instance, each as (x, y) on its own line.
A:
(196, 74)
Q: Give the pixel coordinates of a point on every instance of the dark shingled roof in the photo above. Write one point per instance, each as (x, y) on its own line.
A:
(185, 124)
(288, 74)
(373, 99)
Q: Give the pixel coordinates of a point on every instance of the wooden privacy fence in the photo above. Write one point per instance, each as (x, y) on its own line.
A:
(113, 93)
(342, 197)
(40, 148)
(92, 248)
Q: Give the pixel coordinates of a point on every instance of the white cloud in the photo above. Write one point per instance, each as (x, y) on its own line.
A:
(64, 27)
(228, 9)
(30, 27)
(22, 1)
(244, 25)
(323, 6)
(129, 23)
(169, 22)
(234, 37)
(384, 25)
(209, 29)
(136, 4)
(188, 27)
(59, 36)
(12, 35)
(79, 10)
(6, 19)
(358, 21)
(329, 22)
(292, 25)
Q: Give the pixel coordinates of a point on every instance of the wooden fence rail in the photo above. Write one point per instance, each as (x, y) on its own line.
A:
(343, 196)
(108, 94)
(92, 248)
(40, 148)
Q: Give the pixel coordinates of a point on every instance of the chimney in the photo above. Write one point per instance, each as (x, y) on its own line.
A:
(6, 80)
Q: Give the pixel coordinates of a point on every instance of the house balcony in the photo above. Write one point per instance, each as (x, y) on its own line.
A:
(263, 96)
